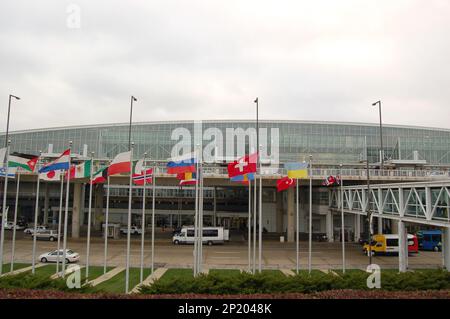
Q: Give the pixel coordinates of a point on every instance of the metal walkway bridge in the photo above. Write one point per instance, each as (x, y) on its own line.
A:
(426, 203)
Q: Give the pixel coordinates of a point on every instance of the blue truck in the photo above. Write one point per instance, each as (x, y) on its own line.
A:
(430, 240)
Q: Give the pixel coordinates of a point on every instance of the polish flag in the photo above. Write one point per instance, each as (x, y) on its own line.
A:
(120, 164)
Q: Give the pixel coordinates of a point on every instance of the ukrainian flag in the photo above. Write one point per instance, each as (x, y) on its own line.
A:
(297, 170)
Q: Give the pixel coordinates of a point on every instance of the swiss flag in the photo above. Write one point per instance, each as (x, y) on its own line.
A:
(285, 183)
(242, 166)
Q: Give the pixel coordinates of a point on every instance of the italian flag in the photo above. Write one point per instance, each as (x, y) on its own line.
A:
(81, 171)
(120, 164)
(25, 161)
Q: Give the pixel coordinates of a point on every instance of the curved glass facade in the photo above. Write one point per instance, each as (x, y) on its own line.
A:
(329, 142)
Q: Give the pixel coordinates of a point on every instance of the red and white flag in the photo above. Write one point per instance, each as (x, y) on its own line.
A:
(146, 177)
(285, 183)
(244, 165)
(51, 176)
(120, 164)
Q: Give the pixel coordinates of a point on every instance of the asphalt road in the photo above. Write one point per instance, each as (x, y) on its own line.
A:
(275, 255)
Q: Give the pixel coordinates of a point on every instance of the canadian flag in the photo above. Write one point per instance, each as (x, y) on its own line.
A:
(120, 164)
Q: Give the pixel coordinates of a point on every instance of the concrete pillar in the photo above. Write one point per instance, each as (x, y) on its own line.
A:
(380, 225)
(402, 247)
(98, 193)
(76, 208)
(291, 215)
(357, 227)
(279, 212)
(46, 204)
(446, 247)
(329, 226)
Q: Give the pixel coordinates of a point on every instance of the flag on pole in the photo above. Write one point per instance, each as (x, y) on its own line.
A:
(285, 183)
(120, 164)
(61, 163)
(51, 176)
(143, 177)
(242, 166)
(297, 170)
(187, 178)
(183, 164)
(25, 161)
(100, 176)
(11, 172)
(82, 170)
(331, 180)
(243, 178)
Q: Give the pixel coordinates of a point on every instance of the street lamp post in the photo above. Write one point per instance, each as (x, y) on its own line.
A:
(381, 135)
(131, 118)
(7, 121)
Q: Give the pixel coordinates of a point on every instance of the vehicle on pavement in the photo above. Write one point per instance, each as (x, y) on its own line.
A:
(430, 240)
(10, 226)
(30, 230)
(52, 256)
(50, 235)
(388, 244)
(134, 230)
(211, 235)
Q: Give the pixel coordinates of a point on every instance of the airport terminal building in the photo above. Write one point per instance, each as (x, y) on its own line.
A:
(409, 153)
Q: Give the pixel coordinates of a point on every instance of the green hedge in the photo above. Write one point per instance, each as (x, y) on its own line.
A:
(37, 281)
(245, 283)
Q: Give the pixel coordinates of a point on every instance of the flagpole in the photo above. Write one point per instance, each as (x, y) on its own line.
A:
(88, 248)
(297, 232)
(66, 214)
(342, 219)
(106, 227)
(200, 209)
(5, 195)
(249, 223)
(36, 212)
(310, 216)
(260, 214)
(255, 215)
(61, 177)
(196, 217)
(13, 248)
(130, 198)
(153, 215)
(143, 220)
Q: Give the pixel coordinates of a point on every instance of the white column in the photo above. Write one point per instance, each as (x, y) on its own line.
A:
(446, 247)
(329, 226)
(402, 247)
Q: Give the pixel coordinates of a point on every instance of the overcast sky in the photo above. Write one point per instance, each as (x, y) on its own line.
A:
(306, 60)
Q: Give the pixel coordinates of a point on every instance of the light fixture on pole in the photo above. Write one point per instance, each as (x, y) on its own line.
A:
(381, 135)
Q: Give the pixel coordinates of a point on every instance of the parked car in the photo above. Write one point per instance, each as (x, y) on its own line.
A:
(10, 226)
(50, 235)
(30, 230)
(211, 235)
(52, 256)
(134, 230)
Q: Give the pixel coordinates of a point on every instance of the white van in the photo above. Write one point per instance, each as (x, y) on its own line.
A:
(211, 235)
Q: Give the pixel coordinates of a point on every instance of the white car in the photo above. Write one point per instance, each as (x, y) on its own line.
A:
(50, 235)
(10, 226)
(71, 256)
(134, 230)
(30, 230)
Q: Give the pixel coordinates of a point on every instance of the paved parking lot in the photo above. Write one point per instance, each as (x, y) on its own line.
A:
(230, 255)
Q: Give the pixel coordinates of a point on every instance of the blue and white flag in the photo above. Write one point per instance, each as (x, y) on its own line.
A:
(11, 172)
(61, 163)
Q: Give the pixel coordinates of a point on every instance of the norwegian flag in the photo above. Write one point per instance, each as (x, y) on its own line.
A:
(244, 165)
(144, 178)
